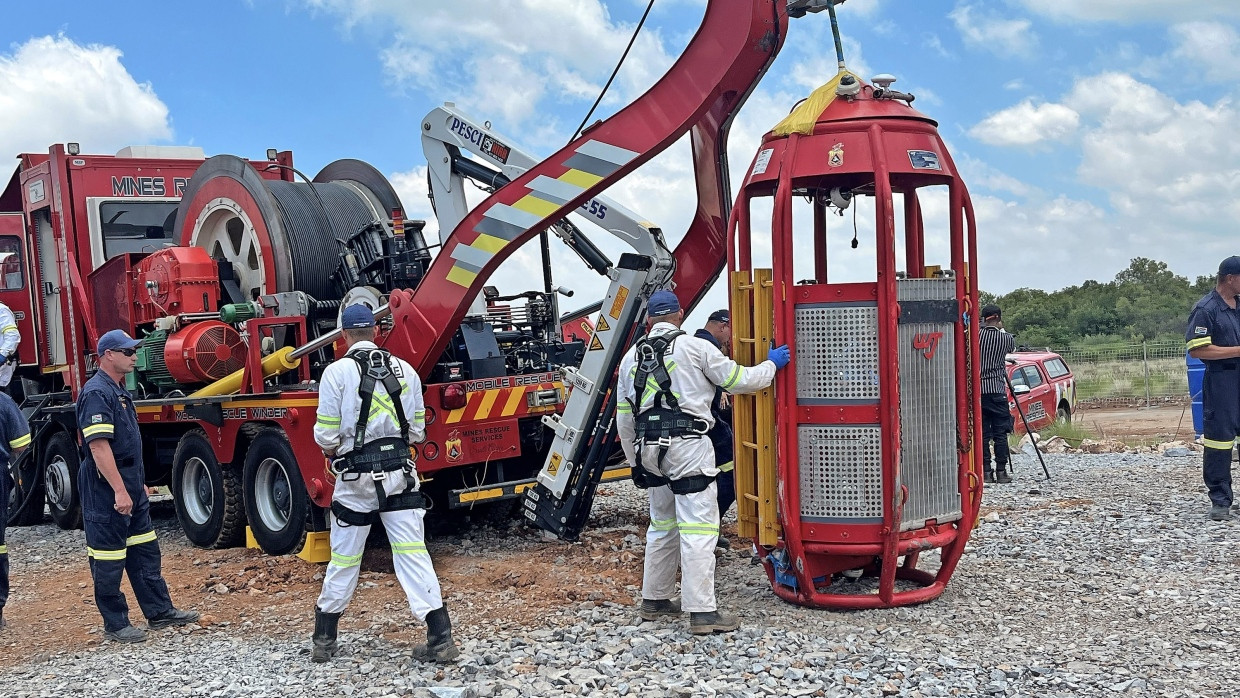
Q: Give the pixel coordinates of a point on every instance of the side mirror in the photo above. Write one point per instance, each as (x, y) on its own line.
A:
(1020, 389)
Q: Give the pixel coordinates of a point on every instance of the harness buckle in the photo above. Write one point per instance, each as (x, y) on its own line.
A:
(664, 441)
(698, 426)
(378, 475)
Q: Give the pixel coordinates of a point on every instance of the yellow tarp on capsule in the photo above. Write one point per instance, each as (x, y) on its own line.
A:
(806, 114)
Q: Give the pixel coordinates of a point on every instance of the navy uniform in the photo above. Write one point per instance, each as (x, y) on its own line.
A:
(116, 543)
(1214, 322)
(14, 437)
(720, 434)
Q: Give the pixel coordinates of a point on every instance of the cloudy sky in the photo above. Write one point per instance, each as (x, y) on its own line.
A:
(1089, 132)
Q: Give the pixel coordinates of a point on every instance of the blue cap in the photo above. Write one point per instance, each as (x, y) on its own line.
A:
(1231, 265)
(115, 339)
(662, 303)
(356, 316)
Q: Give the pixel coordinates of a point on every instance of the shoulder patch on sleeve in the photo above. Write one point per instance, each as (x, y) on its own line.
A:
(1201, 331)
(96, 419)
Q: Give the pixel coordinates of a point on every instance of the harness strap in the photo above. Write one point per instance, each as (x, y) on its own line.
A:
(375, 366)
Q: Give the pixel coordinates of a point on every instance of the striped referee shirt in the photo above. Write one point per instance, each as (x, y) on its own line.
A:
(995, 346)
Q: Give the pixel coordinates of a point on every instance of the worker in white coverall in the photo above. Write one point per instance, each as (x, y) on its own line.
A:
(663, 433)
(9, 339)
(367, 464)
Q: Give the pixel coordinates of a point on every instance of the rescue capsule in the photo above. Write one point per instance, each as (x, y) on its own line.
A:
(858, 476)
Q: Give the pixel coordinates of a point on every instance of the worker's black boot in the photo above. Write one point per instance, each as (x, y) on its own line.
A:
(324, 636)
(713, 622)
(439, 646)
(1001, 474)
(990, 476)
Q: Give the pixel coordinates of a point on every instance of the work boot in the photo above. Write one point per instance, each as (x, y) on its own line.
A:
(989, 476)
(127, 635)
(723, 543)
(1220, 513)
(170, 618)
(439, 646)
(1002, 476)
(324, 638)
(653, 610)
(712, 622)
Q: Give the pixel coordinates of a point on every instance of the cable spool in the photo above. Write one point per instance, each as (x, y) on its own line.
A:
(278, 236)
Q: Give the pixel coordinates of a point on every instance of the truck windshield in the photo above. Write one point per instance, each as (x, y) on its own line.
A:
(137, 226)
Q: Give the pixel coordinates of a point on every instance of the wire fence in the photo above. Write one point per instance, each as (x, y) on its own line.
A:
(1129, 374)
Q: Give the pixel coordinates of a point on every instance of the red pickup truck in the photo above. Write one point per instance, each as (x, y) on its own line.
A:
(1044, 386)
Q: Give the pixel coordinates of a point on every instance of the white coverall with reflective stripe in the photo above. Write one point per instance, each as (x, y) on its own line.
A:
(335, 424)
(9, 339)
(683, 528)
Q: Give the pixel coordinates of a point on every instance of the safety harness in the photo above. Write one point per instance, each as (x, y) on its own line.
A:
(381, 456)
(664, 420)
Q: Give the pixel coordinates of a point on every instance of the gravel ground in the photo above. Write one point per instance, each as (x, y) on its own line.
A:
(1108, 580)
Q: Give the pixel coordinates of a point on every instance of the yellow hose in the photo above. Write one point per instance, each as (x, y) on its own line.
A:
(273, 365)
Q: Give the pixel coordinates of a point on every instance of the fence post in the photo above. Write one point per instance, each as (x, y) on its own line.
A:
(1145, 358)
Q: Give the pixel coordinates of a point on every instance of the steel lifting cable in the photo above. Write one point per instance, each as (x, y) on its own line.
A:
(614, 72)
(318, 218)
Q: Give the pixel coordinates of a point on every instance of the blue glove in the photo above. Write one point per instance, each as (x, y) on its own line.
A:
(780, 356)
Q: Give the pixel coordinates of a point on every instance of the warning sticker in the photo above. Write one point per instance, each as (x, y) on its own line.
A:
(554, 466)
(601, 325)
(595, 345)
(763, 161)
(622, 295)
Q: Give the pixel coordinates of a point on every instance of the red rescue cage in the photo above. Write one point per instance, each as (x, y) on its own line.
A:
(858, 474)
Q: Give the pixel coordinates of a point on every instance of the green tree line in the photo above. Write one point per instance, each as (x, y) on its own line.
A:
(1145, 302)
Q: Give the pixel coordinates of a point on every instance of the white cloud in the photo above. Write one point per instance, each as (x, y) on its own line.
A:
(1027, 124)
(984, 30)
(55, 90)
(506, 59)
(1169, 173)
(1215, 47)
(1132, 10)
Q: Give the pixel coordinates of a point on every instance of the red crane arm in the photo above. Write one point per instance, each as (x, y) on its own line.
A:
(726, 57)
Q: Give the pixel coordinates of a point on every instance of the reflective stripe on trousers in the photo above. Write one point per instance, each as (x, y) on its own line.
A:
(683, 531)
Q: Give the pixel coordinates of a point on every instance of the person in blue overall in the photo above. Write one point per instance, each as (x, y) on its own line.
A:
(116, 513)
(718, 331)
(1213, 335)
(14, 438)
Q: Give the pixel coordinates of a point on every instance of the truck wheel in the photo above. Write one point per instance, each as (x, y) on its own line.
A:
(25, 503)
(1064, 414)
(276, 502)
(60, 470)
(206, 495)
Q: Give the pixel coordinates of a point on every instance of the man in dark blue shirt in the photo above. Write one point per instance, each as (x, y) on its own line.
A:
(718, 331)
(116, 513)
(1213, 335)
(14, 438)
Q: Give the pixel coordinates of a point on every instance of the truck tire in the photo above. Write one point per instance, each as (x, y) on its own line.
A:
(1064, 414)
(60, 470)
(26, 499)
(207, 496)
(276, 503)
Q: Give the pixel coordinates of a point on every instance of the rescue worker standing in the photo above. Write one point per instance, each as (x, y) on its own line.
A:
(9, 339)
(718, 331)
(116, 513)
(662, 430)
(995, 345)
(14, 438)
(370, 411)
(1213, 336)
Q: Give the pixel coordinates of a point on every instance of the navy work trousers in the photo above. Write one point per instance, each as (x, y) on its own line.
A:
(119, 545)
(1220, 402)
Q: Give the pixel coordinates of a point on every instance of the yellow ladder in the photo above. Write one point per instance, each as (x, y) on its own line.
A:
(753, 416)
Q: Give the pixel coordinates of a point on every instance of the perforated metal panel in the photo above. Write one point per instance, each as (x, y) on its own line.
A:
(837, 353)
(841, 473)
(928, 456)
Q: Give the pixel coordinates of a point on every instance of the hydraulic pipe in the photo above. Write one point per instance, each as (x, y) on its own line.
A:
(274, 364)
(330, 338)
